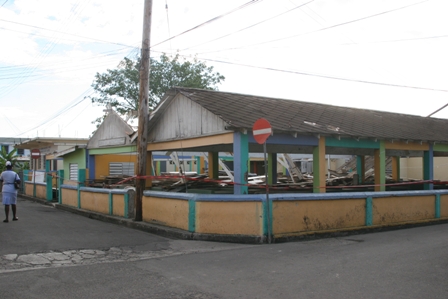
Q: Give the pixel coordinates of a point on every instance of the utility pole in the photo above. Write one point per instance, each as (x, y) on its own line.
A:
(142, 138)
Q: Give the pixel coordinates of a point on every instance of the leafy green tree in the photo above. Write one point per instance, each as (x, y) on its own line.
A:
(11, 156)
(119, 88)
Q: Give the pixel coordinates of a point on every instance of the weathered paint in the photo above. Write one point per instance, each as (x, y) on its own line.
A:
(268, 216)
(236, 218)
(168, 212)
(305, 216)
(41, 190)
(410, 146)
(69, 197)
(444, 206)
(392, 210)
(96, 202)
(226, 138)
(319, 167)
(119, 205)
(351, 143)
(241, 162)
(380, 167)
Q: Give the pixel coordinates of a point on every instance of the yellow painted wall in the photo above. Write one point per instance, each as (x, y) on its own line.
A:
(168, 212)
(239, 218)
(41, 191)
(443, 206)
(390, 210)
(304, 216)
(118, 205)
(96, 202)
(102, 163)
(69, 197)
(29, 189)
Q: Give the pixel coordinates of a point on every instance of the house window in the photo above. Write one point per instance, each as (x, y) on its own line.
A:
(121, 168)
(73, 171)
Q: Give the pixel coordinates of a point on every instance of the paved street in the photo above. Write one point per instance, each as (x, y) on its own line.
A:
(50, 253)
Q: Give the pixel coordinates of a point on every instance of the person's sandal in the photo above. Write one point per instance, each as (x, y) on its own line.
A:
(5, 221)
(15, 218)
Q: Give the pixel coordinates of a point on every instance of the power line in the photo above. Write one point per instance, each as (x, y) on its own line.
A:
(209, 21)
(328, 76)
(330, 27)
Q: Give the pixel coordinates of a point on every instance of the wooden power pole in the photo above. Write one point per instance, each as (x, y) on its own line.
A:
(142, 138)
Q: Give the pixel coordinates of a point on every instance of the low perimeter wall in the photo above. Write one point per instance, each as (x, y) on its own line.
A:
(116, 202)
(288, 216)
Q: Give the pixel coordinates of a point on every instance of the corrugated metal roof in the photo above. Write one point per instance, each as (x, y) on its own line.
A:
(241, 111)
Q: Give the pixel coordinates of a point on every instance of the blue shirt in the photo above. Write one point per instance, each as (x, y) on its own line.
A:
(8, 177)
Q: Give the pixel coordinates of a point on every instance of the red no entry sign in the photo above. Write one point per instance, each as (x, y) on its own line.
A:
(35, 153)
(261, 130)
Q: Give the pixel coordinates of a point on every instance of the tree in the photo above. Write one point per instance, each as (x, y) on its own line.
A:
(12, 157)
(119, 87)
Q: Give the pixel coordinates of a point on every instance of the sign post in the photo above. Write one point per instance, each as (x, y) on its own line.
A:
(35, 154)
(262, 130)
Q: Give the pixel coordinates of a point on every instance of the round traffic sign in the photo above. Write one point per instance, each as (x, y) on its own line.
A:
(261, 130)
(35, 153)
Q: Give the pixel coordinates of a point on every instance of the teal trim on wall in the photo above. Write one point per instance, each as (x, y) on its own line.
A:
(115, 150)
(267, 218)
(126, 205)
(352, 143)
(437, 212)
(111, 204)
(369, 211)
(23, 180)
(60, 182)
(191, 215)
(241, 162)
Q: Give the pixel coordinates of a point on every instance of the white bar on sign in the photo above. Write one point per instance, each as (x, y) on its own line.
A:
(263, 131)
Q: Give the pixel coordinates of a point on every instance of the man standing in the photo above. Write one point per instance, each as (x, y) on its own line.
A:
(9, 192)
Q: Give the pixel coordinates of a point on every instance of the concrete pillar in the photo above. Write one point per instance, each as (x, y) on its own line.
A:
(241, 160)
(213, 165)
(319, 167)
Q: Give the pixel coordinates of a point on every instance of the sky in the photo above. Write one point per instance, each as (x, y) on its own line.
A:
(388, 55)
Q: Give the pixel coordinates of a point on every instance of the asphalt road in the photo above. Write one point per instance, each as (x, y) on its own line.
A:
(50, 253)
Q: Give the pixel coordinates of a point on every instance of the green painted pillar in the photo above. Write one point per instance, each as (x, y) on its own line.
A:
(49, 181)
(240, 162)
(319, 167)
(213, 165)
(380, 167)
(81, 183)
(361, 169)
(272, 168)
(191, 215)
(428, 168)
(60, 182)
(25, 179)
